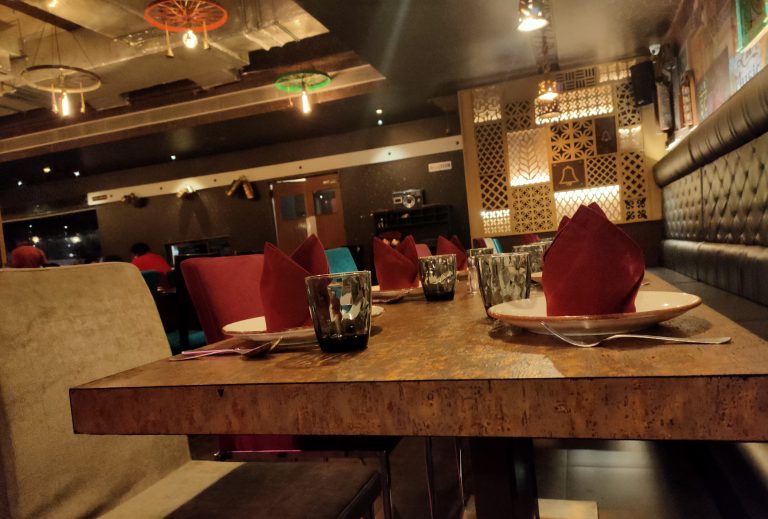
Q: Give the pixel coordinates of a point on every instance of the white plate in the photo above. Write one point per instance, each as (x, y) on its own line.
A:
(652, 308)
(387, 294)
(255, 329)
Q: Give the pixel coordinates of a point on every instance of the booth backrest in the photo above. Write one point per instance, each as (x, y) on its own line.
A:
(60, 328)
(715, 196)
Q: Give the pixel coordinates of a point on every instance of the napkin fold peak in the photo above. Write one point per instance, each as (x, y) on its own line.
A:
(453, 246)
(282, 284)
(396, 268)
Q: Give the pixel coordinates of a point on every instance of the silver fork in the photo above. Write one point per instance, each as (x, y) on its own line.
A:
(584, 344)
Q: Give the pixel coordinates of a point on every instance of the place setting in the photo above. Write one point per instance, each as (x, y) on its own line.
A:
(591, 274)
(305, 306)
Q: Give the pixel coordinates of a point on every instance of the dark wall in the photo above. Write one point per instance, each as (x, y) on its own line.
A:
(369, 188)
(169, 219)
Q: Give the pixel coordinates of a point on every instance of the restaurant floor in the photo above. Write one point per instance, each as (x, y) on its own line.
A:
(627, 479)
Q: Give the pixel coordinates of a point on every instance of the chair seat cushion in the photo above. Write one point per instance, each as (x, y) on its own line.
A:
(222, 489)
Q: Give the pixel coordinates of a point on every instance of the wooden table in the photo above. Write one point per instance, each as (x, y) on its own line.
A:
(444, 369)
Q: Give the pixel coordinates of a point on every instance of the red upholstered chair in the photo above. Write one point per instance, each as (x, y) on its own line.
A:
(227, 289)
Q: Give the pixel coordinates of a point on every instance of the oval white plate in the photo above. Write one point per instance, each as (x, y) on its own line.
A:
(255, 329)
(652, 308)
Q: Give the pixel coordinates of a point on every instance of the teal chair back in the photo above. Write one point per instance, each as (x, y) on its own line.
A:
(340, 260)
(152, 279)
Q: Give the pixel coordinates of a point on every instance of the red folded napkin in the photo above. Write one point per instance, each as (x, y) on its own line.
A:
(398, 267)
(453, 246)
(592, 267)
(282, 283)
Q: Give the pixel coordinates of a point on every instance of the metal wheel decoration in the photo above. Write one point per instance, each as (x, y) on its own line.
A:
(61, 81)
(187, 16)
(304, 80)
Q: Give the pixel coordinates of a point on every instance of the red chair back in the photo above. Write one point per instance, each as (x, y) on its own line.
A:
(422, 249)
(224, 290)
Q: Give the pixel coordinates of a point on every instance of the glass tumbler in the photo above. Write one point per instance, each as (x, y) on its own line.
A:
(438, 276)
(535, 252)
(472, 267)
(340, 305)
(503, 277)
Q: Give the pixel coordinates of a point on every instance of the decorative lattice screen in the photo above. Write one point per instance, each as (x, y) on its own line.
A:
(531, 172)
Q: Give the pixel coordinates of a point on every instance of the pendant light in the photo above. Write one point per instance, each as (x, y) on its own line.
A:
(303, 82)
(531, 16)
(189, 17)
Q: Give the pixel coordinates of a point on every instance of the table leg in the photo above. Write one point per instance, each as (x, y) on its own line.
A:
(504, 478)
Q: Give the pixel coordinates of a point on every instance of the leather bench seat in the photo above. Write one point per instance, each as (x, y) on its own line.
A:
(739, 269)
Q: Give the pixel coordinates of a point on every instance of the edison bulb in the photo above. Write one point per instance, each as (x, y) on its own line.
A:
(66, 109)
(189, 39)
(305, 106)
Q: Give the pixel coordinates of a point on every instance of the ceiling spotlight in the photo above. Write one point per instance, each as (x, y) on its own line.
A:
(173, 157)
(76, 173)
(379, 122)
(531, 16)
(52, 4)
(35, 239)
(46, 169)
(379, 111)
(20, 183)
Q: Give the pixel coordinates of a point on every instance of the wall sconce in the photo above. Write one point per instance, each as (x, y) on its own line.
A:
(245, 184)
(531, 16)
(186, 193)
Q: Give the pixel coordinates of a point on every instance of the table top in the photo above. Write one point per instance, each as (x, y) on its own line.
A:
(445, 369)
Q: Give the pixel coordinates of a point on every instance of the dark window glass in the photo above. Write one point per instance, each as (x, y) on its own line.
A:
(292, 207)
(325, 201)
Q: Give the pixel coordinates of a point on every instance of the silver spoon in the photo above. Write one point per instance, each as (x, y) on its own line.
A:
(259, 349)
(584, 344)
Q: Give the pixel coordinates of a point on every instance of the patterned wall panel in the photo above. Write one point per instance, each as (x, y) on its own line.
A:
(633, 175)
(577, 78)
(682, 208)
(496, 223)
(635, 210)
(585, 102)
(527, 151)
(572, 140)
(489, 139)
(615, 71)
(631, 139)
(486, 104)
(628, 114)
(567, 202)
(603, 170)
(519, 115)
(493, 191)
(532, 208)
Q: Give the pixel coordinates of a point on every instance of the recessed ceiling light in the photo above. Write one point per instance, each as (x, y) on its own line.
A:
(53, 3)
(20, 183)
(380, 122)
(76, 173)
(379, 111)
(47, 169)
(173, 157)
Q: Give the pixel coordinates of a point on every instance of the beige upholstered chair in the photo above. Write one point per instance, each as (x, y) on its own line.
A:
(66, 326)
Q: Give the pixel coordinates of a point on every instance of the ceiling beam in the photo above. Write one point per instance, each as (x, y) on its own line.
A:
(40, 14)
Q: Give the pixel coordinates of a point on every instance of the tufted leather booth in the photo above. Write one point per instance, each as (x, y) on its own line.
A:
(715, 197)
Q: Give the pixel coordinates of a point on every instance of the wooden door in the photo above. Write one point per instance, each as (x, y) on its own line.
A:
(306, 206)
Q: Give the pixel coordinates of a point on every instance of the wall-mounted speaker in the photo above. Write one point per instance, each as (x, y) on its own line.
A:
(643, 83)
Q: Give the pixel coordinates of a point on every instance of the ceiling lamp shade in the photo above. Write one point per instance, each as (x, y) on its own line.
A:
(303, 81)
(531, 16)
(549, 89)
(186, 16)
(62, 81)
